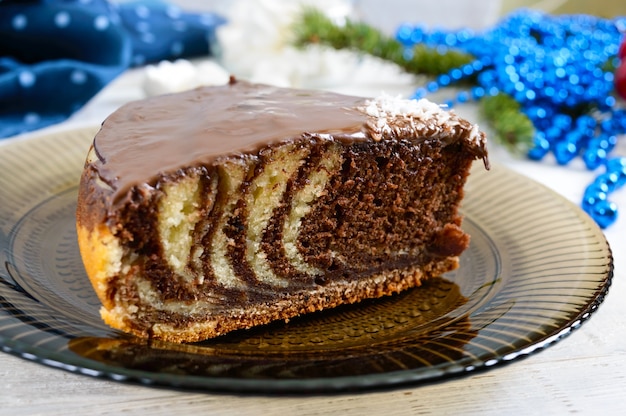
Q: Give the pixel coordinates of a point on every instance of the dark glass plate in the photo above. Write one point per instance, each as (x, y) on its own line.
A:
(536, 269)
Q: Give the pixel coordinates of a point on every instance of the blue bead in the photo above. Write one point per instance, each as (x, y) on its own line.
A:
(477, 65)
(621, 178)
(553, 133)
(486, 60)
(616, 164)
(444, 80)
(464, 35)
(403, 34)
(463, 97)
(540, 148)
(432, 86)
(616, 169)
(450, 39)
(486, 78)
(604, 213)
(607, 142)
(478, 93)
(591, 198)
(565, 151)
(562, 121)
(610, 179)
(417, 35)
(493, 91)
(619, 117)
(467, 69)
(607, 126)
(594, 157)
(530, 95)
(419, 93)
(586, 121)
(608, 102)
(595, 188)
(574, 136)
(456, 74)
(536, 113)
(536, 153)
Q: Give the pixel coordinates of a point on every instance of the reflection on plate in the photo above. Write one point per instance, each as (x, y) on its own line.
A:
(536, 269)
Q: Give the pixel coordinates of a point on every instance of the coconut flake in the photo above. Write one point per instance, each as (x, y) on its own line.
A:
(422, 115)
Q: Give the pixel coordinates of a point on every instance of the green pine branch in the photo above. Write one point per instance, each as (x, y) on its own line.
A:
(315, 27)
(512, 128)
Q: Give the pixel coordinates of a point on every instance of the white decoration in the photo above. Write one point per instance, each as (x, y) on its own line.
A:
(257, 45)
(169, 77)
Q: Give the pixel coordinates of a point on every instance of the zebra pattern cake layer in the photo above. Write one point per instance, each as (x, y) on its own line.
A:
(225, 208)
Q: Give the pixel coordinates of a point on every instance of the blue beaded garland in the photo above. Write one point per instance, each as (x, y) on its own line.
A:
(595, 199)
(554, 66)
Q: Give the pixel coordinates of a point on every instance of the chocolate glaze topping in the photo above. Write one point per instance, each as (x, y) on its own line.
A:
(163, 134)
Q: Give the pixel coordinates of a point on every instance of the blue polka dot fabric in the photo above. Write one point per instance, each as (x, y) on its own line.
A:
(55, 55)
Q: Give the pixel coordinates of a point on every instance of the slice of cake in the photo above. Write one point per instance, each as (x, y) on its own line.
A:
(223, 208)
